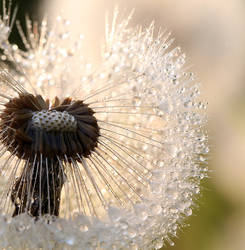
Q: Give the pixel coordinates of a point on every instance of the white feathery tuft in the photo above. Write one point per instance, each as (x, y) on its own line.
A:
(141, 180)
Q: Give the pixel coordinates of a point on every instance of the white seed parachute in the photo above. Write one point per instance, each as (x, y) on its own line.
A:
(139, 182)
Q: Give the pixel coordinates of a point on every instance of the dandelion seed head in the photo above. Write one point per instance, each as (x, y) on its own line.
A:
(30, 128)
(115, 161)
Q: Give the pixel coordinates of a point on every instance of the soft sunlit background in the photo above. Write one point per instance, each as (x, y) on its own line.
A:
(212, 33)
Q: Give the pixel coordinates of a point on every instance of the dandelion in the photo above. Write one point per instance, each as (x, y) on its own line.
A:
(100, 158)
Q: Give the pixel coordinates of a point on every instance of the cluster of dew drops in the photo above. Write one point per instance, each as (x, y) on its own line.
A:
(173, 184)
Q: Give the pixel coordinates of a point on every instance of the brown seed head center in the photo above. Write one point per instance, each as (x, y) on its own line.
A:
(52, 120)
(32, 127)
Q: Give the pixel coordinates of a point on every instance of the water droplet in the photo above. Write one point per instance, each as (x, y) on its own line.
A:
(171, 243)
(114, 213)
(155, 187)
(70, 240)
(188, 104)
(201, 158)
(131, 232)
(158, 243)
(124, 225)
(166, 106)
(172, 150)
(156, 209)
(188, 212)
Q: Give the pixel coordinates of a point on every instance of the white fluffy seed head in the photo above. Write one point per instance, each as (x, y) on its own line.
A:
(135, 190)
(52, 120)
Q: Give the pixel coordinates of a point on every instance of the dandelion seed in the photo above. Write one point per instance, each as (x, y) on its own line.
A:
(97, 159)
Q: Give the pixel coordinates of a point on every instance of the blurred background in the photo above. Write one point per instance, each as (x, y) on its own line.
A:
(212, 34)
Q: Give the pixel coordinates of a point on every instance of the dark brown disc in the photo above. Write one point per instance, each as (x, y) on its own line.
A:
(66, 129)
(43, 136)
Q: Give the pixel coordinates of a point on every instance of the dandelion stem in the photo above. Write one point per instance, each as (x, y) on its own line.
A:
(44, 197)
